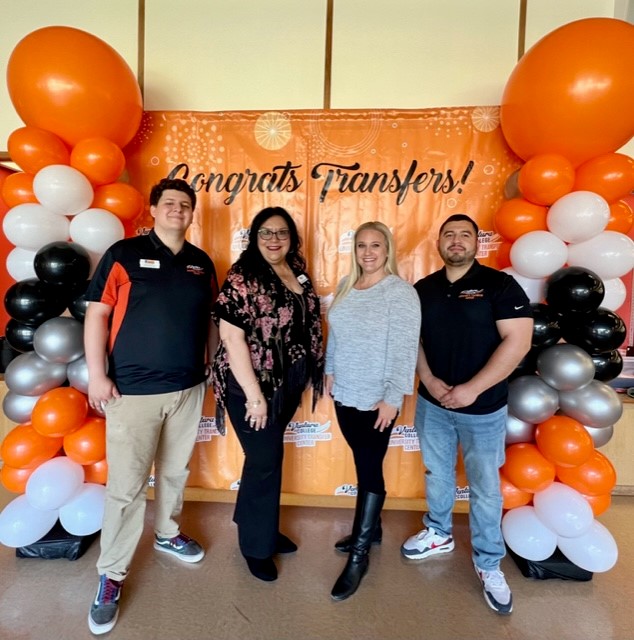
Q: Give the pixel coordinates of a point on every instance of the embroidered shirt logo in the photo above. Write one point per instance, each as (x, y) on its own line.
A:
(196, 270)
(471, 294)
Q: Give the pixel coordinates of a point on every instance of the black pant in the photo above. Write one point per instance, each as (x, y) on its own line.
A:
(368, 445)
(257, 511)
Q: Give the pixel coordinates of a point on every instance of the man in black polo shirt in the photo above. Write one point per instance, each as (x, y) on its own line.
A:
(149, 317)
(476, 327)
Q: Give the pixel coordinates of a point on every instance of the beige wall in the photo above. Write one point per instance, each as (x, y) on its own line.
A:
(216, 55)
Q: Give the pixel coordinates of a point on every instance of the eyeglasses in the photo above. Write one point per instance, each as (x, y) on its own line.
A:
(280, 234)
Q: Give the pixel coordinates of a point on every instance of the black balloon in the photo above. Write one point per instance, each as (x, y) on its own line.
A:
(574, 289)
(64, 264)
(79, 304)
(528, 364)
(597, 332)
(607, 366)
(546, 329)
(19, 335)
(33, 301)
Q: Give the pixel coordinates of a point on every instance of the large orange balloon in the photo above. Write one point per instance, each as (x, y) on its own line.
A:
(87, 445)
(59, 411)
(593, 478)
(621, 217)
(119, 198)
(564, 441)
(512, 496)
(610, 175)
(73, 84)
(99, 159)
(24, 448)
(572, 93)
(546, 178)
(17, 188)
(33, 149)
(516, 217)
(97, 472)
(13, 479)
(527, 468)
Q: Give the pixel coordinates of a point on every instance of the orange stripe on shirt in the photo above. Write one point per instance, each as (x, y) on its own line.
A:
(116, 293)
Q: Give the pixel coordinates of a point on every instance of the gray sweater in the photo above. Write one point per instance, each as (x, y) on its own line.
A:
(373, 344)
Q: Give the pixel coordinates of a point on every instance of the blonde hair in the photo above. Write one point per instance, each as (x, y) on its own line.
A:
(390, 266)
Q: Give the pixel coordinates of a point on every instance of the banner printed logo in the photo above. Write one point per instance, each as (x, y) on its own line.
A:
(306, 434)
(405, 436)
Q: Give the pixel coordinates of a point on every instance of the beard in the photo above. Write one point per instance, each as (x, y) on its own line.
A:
(458, 259)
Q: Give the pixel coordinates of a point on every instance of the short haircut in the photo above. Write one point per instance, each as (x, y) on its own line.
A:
(171, 183)
(459, 217)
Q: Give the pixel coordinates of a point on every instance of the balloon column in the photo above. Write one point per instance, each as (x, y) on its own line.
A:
(565, 229)
(80, 104)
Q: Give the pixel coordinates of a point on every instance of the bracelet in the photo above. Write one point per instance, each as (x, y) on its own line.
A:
(250, 404)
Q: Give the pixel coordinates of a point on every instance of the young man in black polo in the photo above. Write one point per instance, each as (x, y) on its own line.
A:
(476, 327)
(149, 316)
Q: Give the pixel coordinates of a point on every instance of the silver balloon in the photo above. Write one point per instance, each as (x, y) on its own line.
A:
(30, 375)
(518, 430)
(600, 436)
(565, 367)
(595, 405)
(531, 399)
(18, 408)
(78, 374)
(59, 340)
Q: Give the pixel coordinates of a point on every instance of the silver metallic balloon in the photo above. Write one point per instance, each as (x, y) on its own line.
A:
(30, 375)
(565, 367)
(78, 374)
(18, 408)
(531, 399)
(595, 405)
(59, 340)
(518, 430)
(600, 436)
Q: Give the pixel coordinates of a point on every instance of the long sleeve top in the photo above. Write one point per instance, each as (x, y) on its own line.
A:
(373, 344)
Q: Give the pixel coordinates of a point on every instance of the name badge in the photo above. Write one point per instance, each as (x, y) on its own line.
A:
(149, 264)
(302, 278)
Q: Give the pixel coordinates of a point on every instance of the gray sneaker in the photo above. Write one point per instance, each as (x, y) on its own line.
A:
(104, 610)
(181, 546)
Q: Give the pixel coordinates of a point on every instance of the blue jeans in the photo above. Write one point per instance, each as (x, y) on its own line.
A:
(482, 440)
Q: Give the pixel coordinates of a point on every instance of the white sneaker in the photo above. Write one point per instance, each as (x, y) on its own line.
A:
(496, 591)
(426, 543)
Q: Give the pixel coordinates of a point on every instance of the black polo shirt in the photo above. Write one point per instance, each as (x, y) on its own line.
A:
(161, 313)
(458, 329)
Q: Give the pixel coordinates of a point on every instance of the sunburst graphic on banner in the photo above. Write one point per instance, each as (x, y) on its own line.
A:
(486, 119)
(321, 143)
(272, 130)
(197, 140)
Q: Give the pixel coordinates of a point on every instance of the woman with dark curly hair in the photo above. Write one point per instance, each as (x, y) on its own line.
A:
(271, 350)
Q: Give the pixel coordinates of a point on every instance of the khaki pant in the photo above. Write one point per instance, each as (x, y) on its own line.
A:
(157, 429)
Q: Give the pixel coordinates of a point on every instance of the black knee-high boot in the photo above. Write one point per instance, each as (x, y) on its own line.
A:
(345, 544)
(357, 565)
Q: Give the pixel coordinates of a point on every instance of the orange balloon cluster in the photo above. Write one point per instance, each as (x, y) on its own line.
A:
(59, 411)
(87, 445)
(527, 469)
(564, 441)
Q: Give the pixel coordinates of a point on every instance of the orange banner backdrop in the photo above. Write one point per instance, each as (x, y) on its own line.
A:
(332, 170)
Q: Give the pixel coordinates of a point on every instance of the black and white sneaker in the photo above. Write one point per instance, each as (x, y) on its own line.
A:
(104, 610)
(496, 591)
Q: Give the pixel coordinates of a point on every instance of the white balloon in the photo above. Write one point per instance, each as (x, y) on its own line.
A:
(595, 550)
(538, 254)
(62, 189)
(609, 254)
(578, 216)
(563, 510)
(21, 524)
(54, 483)
(96, 230)
(83, 515)
(31, 226)
(534, 288)
(615, 294)
(527, 535)
(20, 264)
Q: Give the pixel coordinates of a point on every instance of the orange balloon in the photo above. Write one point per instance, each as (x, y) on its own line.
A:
(610, 175)
(572, 93)
(87, 444)
(593, 478)
(621, 217)
(13, 479)
(503, 256)
(24, 448)
(97, 472)
(527, 469)
(545, 178)
(17, 188)
(59, 411)
(99, 159)
(119, 198)
(73, 84)
(512, 496)
(600, 504)
(518, 216)
(564, 441)
(33, 149)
